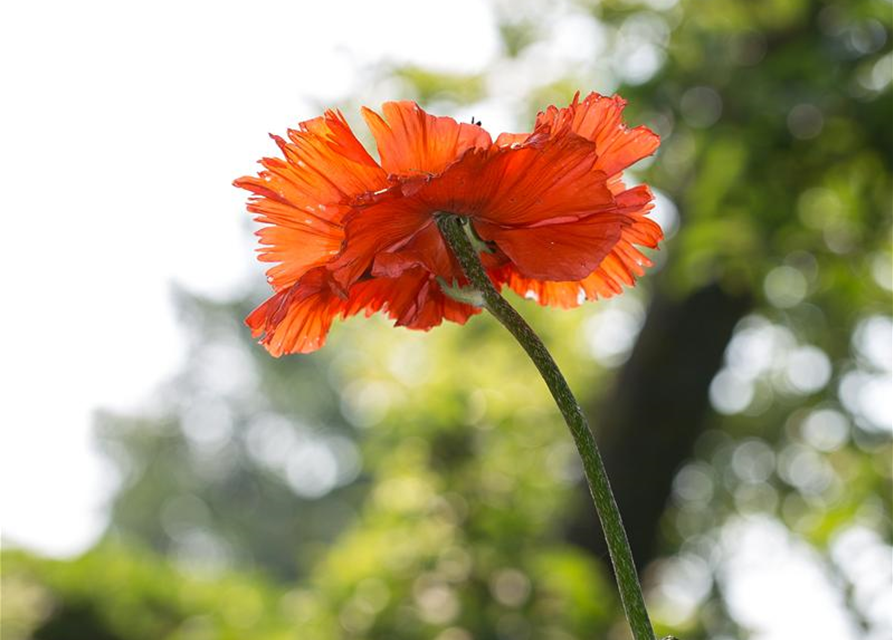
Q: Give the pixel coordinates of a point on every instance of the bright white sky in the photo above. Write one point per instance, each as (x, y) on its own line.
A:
(122, 126)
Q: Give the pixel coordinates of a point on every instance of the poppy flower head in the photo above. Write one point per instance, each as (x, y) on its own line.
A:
(347, 234)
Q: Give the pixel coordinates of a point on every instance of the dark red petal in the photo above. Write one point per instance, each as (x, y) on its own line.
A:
(384, 227)
(564, 251)
(425, 249)
(413, 300)
(542, 182)
(620, 267)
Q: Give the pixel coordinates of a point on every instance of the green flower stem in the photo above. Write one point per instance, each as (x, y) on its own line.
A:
(452, 228)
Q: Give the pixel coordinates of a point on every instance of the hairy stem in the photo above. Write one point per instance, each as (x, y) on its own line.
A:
(452, 228)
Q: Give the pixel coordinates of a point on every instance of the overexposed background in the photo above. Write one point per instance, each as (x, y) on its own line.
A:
(124, 126)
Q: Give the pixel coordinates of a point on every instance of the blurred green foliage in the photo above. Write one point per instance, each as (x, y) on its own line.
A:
(402, 485)
(428, 86)
(114, 593)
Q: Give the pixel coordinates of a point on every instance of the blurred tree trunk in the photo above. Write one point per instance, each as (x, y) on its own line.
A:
(648, 422)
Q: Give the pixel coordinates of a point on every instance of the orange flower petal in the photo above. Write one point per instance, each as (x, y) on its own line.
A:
(425, 249)
(349, 236)
(380, 228)
(619, 267)
(564, 251)
(416, 301)
(540, 182)
(305, 196)
(298, 319)
(412, 142)
(509, 139)
(600, 119)
(525, 197)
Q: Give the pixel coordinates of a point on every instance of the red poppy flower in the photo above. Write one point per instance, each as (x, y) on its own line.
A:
(348, 234)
